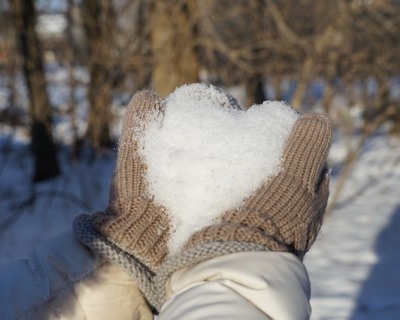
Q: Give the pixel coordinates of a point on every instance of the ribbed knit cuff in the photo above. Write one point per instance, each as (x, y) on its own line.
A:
(138, 227)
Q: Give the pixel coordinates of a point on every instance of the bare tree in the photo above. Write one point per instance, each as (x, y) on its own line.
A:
(172, 32)
(98, 18)
(24, 17)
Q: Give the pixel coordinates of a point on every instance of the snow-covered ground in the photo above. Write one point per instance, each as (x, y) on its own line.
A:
(354, 266)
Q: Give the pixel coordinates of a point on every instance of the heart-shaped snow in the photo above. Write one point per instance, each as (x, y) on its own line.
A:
(204, 157)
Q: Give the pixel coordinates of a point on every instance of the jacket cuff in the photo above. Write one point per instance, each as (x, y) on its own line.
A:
(140, 273)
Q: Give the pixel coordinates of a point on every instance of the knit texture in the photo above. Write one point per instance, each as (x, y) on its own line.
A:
(286, 213)
(133, 231)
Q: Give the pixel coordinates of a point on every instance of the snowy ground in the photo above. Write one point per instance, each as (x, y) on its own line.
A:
(354, 266)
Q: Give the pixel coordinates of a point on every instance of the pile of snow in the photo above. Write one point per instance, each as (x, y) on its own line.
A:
(205, 156)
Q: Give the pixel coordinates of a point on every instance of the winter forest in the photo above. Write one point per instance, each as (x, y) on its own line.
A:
(68, 69)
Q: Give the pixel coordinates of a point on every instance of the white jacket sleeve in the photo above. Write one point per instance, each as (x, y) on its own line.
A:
(249, 285)
(62, 279)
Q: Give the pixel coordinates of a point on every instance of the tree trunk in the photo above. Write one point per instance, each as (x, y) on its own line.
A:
(46, 165)
(70, 57)
(174, 57)
(255, 90)
(98, 19)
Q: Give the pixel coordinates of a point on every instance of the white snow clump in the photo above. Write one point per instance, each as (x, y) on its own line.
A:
(205, 157)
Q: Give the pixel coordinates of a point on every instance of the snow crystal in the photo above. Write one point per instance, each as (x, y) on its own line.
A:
(204, 157)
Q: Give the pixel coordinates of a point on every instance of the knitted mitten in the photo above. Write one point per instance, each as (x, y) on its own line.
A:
(285, 214)
(132, 232)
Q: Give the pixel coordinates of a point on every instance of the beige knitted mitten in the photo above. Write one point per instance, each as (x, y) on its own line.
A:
(285, 214)
(132, 232)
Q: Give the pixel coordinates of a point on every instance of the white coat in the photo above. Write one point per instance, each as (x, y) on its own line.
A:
(249, 285)
(62, 279)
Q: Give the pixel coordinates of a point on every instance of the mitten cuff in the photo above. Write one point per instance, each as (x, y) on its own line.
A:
(138, 227)
(245, 226)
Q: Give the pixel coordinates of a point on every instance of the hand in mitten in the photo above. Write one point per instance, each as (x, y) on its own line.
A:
(286, 213)
(283, 214)
(133, 231)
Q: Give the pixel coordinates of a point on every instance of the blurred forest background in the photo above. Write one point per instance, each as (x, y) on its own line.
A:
(68, 69)
(79, 61)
